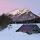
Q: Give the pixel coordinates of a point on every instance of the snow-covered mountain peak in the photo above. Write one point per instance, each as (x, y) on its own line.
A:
(19, 11)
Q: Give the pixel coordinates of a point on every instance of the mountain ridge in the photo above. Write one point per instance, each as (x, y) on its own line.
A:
(20, 12)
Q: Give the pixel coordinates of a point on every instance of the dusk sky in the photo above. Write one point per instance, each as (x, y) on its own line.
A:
(9, 5)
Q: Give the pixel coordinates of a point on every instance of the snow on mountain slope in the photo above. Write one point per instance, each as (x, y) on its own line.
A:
(19, 11)
(18, 15)
(22, 15)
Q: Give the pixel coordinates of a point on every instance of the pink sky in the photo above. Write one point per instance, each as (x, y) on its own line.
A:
(9, 5)
(5, 6)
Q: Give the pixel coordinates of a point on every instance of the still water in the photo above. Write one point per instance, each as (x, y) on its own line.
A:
(10, 34)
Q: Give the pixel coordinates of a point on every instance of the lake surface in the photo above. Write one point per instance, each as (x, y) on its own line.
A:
(10, 34)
